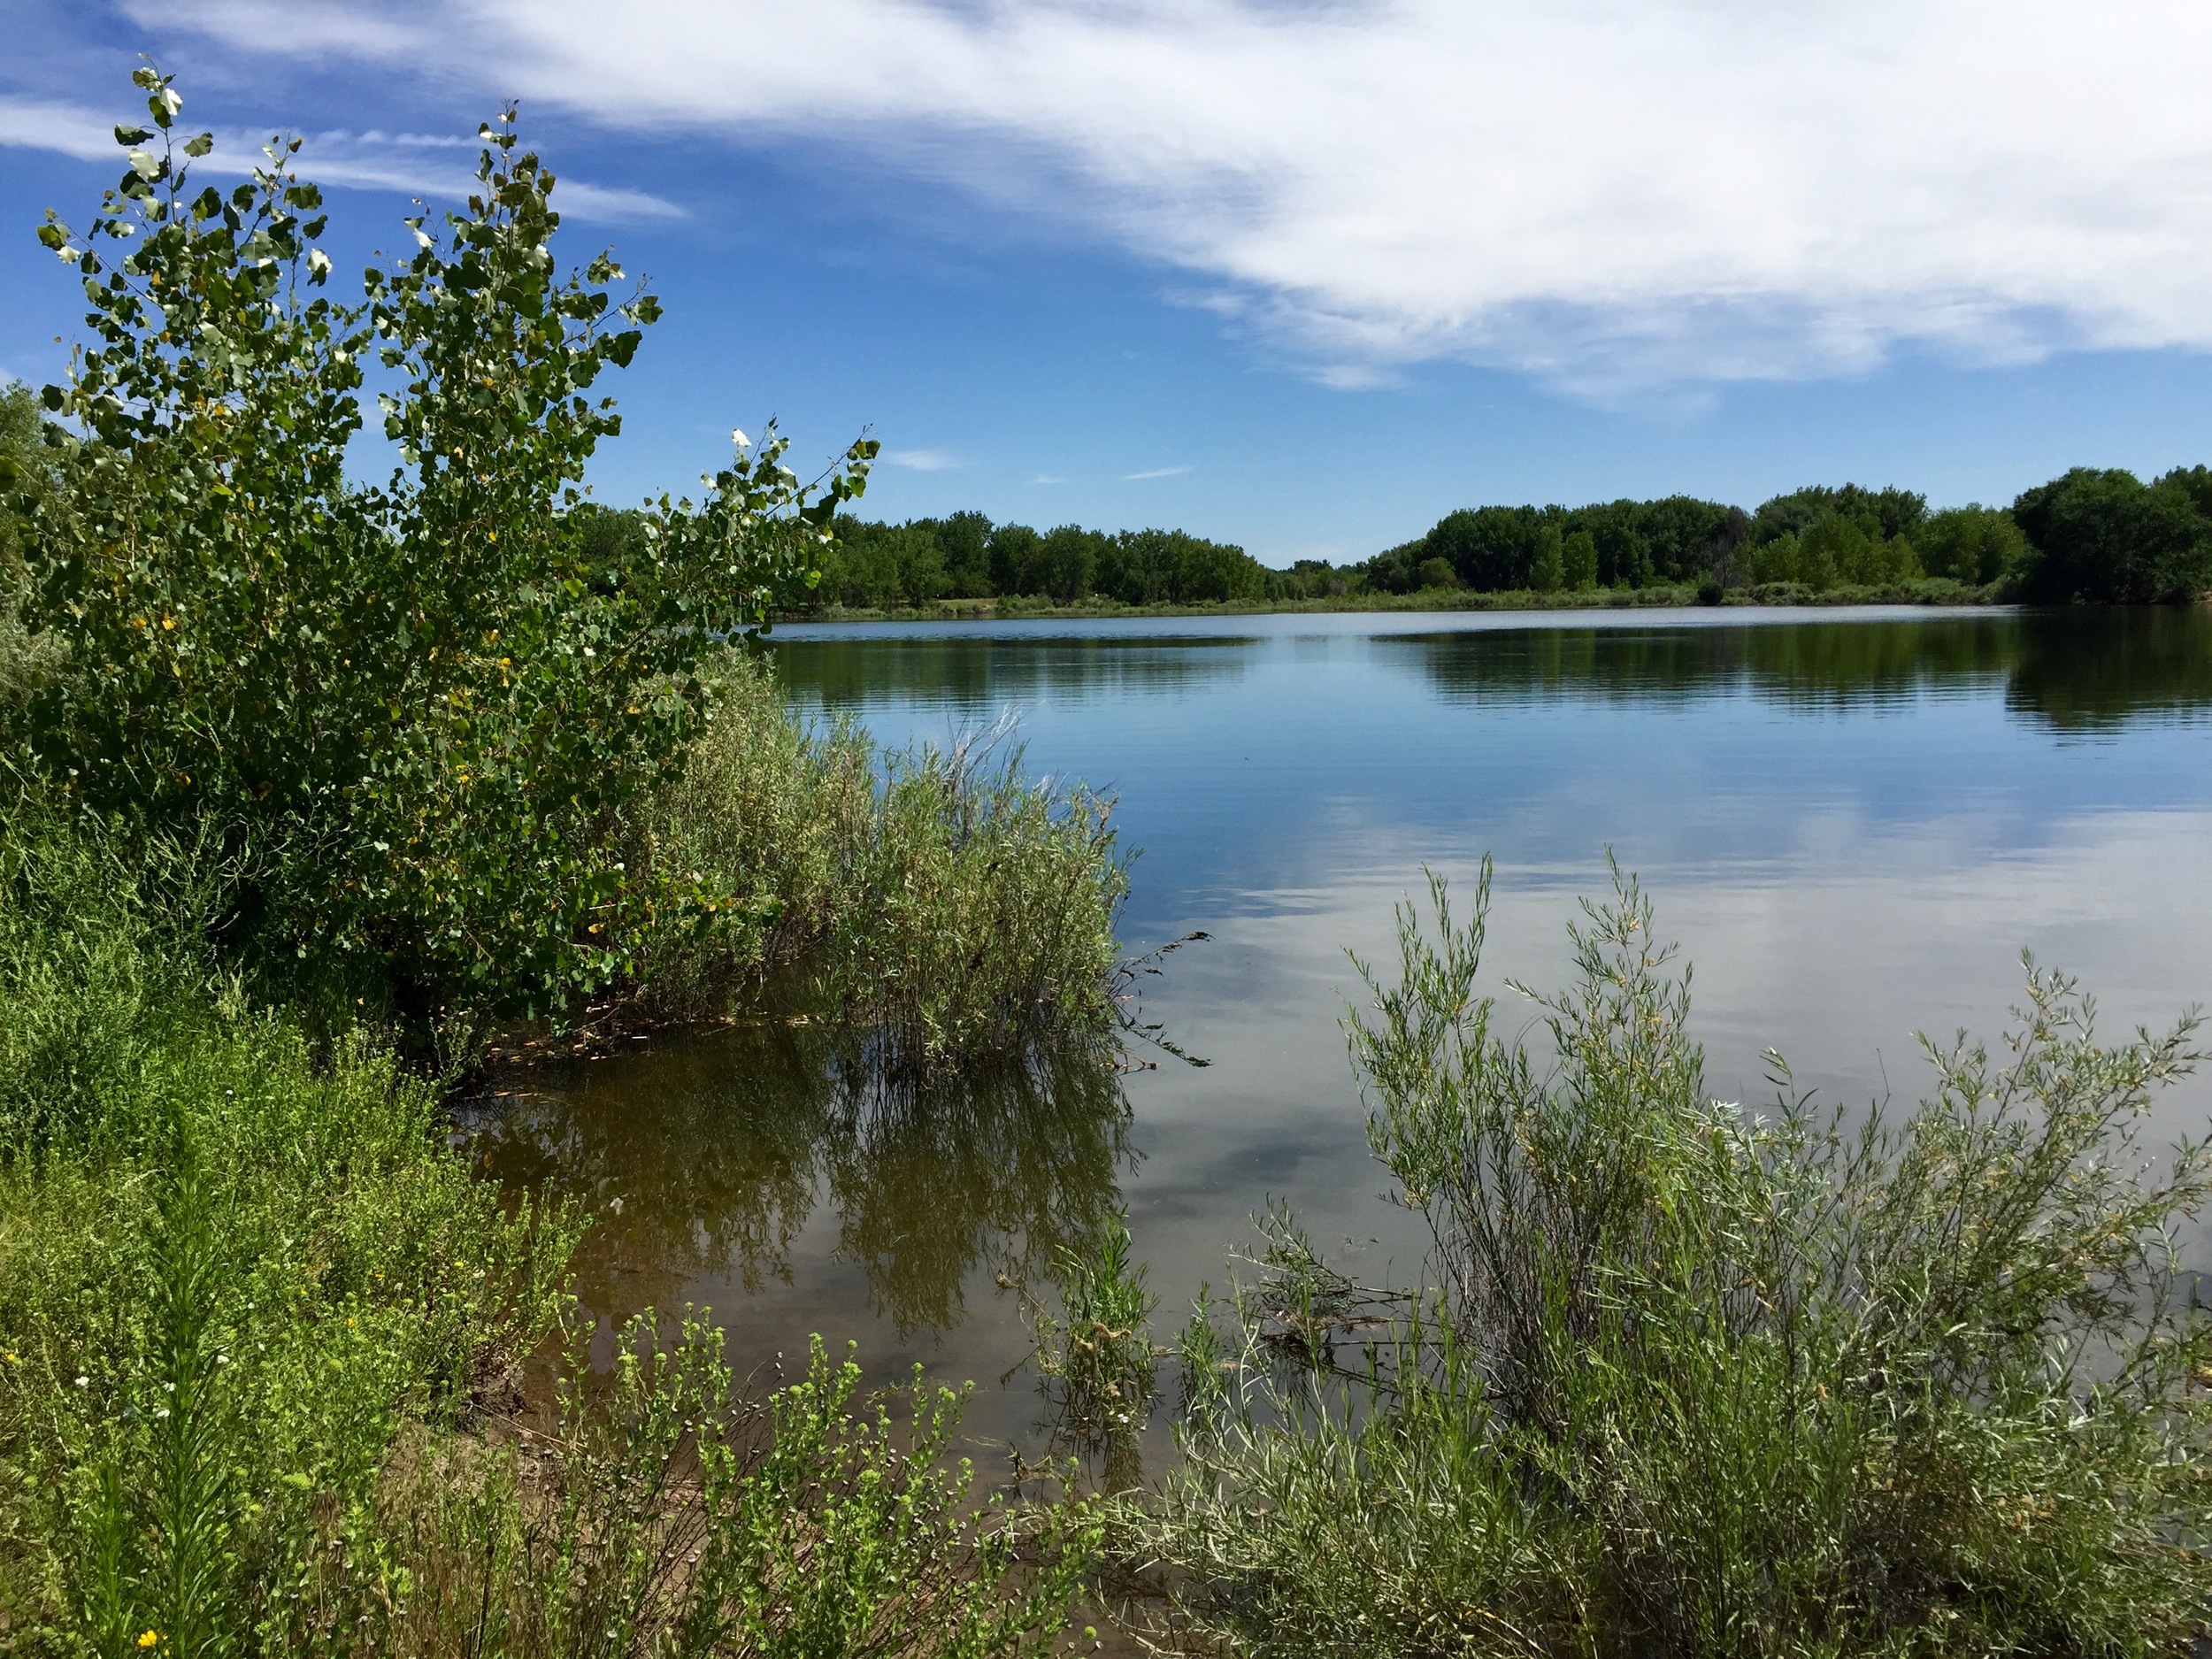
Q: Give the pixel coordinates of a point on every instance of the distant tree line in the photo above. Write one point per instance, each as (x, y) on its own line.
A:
(966, 556)
(2093, 535)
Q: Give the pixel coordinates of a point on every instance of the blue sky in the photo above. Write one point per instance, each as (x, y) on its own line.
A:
(1300, 275)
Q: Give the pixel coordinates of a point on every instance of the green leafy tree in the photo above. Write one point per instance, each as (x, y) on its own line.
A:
(1579, 561)
(1881, 513)
(2107, 537)
(1778, 561)
(1549, 574)
(965, 539)
(1491, 548)
(1972, 544)
(1066, 562)
(411, 715)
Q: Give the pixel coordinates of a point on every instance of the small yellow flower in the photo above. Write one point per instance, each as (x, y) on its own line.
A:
(147, 1639)
(349, 1319)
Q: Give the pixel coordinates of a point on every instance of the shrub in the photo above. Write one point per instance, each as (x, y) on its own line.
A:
(934, 895)
(422, 707)
(1690, 1382)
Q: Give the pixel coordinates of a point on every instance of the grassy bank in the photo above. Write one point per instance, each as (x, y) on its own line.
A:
(1930, 591)
(260, 1341)
(1686, 1381)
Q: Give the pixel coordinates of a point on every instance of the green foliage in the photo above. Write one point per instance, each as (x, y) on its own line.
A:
(939, 898)
(1491, 548)
(670, 1518)
(249, 1294)
(1880, 515)
(32, 452)
(1974, 544)
(1578, 561)
(884, 566)
(423, 706)
(1691, 1382)
(2106, 537)
(1436, 572)
(1096, 1357)
(1549, 573)
(231, 1270)
(1833, 551)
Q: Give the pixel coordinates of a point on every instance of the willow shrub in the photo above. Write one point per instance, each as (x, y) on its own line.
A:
(1691, 1381)
(937, 898)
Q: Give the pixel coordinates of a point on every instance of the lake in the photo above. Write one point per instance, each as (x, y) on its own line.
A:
(1853, 822)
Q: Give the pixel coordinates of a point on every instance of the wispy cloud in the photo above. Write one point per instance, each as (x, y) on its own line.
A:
(922, 460)
(434, 166)
(1048, 478)
(1156, 472)
(1601, 194)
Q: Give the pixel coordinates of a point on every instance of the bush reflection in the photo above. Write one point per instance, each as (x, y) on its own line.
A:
(707, 1153)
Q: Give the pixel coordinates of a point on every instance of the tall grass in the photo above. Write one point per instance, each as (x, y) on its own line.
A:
(937, 897)
(663, 1518)
(1687, 1382)
(232, 1266)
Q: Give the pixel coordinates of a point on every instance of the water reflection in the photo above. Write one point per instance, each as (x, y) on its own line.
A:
(707, 1157)
(2095, 670)
(1852, 821)
(2081, 670)
(973, 674)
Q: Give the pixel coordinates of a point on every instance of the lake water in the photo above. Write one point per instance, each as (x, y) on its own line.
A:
(1852, 821)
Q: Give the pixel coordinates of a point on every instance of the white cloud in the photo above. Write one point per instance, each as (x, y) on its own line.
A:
(64, 129)
(435, 165)
(921, 460)
(1156, 472)
(1597, 192)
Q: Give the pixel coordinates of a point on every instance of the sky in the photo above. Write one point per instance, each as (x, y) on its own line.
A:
(1299, 274)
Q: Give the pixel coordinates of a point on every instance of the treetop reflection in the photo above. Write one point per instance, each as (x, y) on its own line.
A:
(709, 1155)
(2083, 669)
(2072, 669)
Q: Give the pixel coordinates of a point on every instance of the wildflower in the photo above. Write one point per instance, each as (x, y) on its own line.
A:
(148, 1638)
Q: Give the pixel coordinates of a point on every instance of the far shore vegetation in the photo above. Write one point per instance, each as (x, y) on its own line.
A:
(314, 789)
(2096, 537)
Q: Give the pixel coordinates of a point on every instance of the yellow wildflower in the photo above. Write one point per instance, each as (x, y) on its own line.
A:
(147, 1639)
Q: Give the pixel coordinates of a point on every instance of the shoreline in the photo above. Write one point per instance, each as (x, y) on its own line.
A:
(1931, 592)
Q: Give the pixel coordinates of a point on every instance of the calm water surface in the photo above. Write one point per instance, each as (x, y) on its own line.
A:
(1853, 824)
